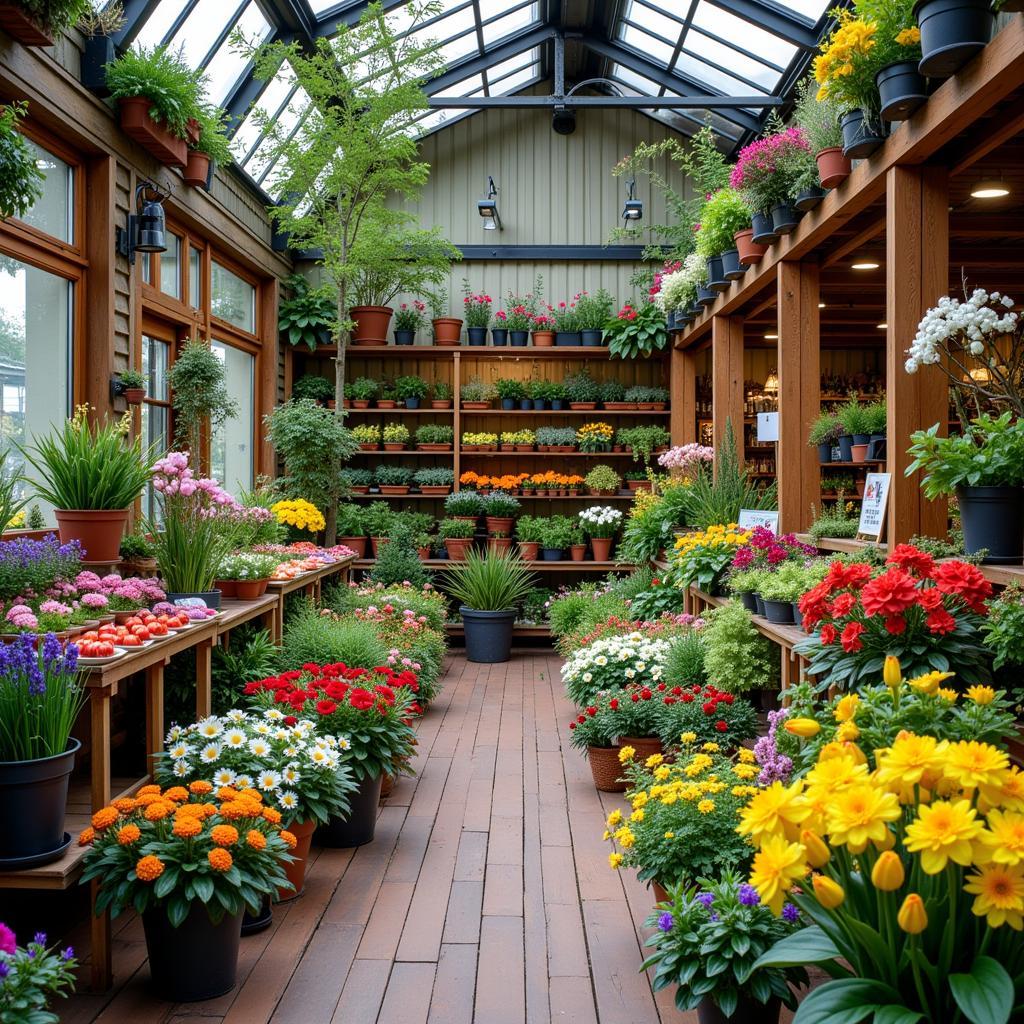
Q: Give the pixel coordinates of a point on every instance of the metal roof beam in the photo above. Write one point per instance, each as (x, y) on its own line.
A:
(610, 102)
(349, 15)
(292, 16)
(135, 14)
(477, 63)
(772, 19)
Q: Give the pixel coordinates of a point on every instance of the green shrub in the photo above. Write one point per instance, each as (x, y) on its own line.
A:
(580, 610)
(684, 665)
(379, 518)
(312, 637)
(398, 561)
(736, 656)
(434, 477)
(434, 433)
(463, 503)
(392, 476)
(252, 655)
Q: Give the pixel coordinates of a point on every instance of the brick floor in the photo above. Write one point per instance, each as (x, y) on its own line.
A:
(486, 896)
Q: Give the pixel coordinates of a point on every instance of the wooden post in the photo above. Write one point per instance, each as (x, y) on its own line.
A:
(917, 275)
(683, 404)
(204, 677)
(727, 377)
(102, 218)
(799, 372)
(154, 715)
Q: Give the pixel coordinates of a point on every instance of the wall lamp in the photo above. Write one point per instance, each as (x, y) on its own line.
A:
(145, 231)
(633, 208)
(488, 208)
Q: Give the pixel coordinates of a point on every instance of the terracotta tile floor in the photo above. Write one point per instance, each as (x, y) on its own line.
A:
(486, 896)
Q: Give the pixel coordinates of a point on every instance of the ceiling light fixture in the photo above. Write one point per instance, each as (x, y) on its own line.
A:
(992, 188)
(821, 305)
(771, 337)
(488, 208)
(882, 327)
(864, 264)
(633, 208)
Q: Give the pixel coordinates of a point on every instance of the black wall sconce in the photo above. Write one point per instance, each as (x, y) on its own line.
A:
(488, 208)
(633, 208)
(146, 228)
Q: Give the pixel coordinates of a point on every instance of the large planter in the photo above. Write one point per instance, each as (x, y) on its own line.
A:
(763, 231)
(137, 124)
(17, 24)
(251, 590)
(543, 339)
(499, 336)
(716, 274)
(750, 252)
(602, 548)
(824, 453)
(197, 960)
(211, 597)
(488, 634)
(605, 768)
(447, 330)
(901, 90)
(296, 869)
(779, 612)
(645, 746)
(732, 270)
(861, 136)
(748, 1011)
(993, 518)
(846, 448)
(99, 531)
(457, 548)
(98, 52)
(833, 167)
(197, 169)
(568, 339)
(952, 32)
(358, 827)
(371, 324)
(592, 338)
(33, 799)
(477, 335)
(499, 524)
(785, 217)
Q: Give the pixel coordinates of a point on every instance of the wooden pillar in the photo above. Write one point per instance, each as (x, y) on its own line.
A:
(916, 276)
(683, 404)
(799, 372)
(101, 219)
(727, 377)
(267, 384)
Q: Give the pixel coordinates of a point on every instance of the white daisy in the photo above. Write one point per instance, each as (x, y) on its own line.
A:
(331, 761)
(269, 781)
(210, 728)
(236, 716)
(281, 735)
(259, 747)
(224, 777)
(179, 751)
(318, 755)
(175, 734)
(234, 738)
(287, 800)
(210, 753)
(262, 728)
(180, 769)
(344, 743)
(243, 781)
(290, 774)
(291, 751)
(273, 714)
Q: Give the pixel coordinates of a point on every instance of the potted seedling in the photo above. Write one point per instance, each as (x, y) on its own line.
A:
(411, 390)
(358, 481)
(352, 527)
(133, 386)
(529, 533)
(603, 481)
(367, 436)
(387, 399)
(582, 391)
(447, 329)
(824, 436)
(408, 320)
(854, 420)
(434, 480)
(393, 479)
(457, 537)
(434, 437)
(442, 395)
(578, 545)
(510, 391)
(396, 437)
(475, 394)
(556, 537)
(364, 390)
(319, 389)
(613, 395)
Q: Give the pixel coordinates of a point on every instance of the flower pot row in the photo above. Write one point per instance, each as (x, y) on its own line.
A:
(242, 590)
(386, 403)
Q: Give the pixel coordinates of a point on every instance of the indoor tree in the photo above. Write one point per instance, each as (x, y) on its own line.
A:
(200, 394)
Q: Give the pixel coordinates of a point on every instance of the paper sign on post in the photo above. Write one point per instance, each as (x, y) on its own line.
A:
(767, 427)
(751, 517)
(874, 506)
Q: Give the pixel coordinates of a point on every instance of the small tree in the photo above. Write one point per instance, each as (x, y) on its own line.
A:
(200, 396)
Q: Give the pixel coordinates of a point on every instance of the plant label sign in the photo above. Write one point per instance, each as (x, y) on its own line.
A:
(874, 506)
(767, 427)
(752, 517)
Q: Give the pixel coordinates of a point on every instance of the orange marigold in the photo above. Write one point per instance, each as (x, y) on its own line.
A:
(227, 793)
(158, 810)
(176, 793)
(191, 810)
(187, 826)
(86, 836)
(224, 835)
(145, 799)
(271, 814)
(149, 790)
(128, 834)
(255, 839)
(220, 860)
(104, 817)
(289, 839)
(149, 869)
(125, 804)
(200, 786)
(251, 794)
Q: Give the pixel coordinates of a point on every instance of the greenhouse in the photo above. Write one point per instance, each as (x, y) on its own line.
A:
(512, 511)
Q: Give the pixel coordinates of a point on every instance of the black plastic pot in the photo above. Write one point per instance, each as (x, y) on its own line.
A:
(98, 53)
(404, 337)
(412, 403)
(798, 616)
(477, 335)
(779, 612)
(861, 438)
(748, 600)
(670, 322)
(809, 198)
(499, 336)
(488, 635)
(901, 90)
(539, 403)
(705, 295)
(759, 604)
(861, 135)
(876, 446)
(748, 1011)
(846, 448)
(557, 404)
(993, 518)
(508, 403)
(785, 217)
(567, 338)
(695, 310)
(525, 404)
(211, 597)
(519, 338)
(33, 800)
(197, 960)
(952, 32)
(683, 318)
(358, 827)
(764, 231)
(551, 554)
(732, 269)
(260, 921)
(824, 453)
(591, 338)
(716, 274)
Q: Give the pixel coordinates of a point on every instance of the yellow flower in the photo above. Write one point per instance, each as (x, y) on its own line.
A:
(859, 815)
(640, 800)
(829, 893)
(847, 732)
(999, 895)
(688, 737)
(929, 682)
(615, 818)
(711, 748)
(947, 694)
(805, 728)
(626, 754)
(776, 810)
(637, 816)
(888, 874)
(981, 694)
(744, 771)
(909, 36)
(614, 860)
(847, 707)
(1003, 841)
(625, 837)
(777, 865)
(971, 764)
(943, 831)
(1007, 791)
(910, 761)
(653, 761)
(746, 755)
(670, 835)
(706, 806)
(818, 853)
(662, 773)
(891, 675)
(912, 917)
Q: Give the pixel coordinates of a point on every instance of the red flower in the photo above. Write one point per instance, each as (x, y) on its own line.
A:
(966, 582)
(709, 708)
(645, 693)
(896, 624)
(828, 634)
(812, 605)
(726, 698)
(842, 605)
(846, 577)
(892, 593)
(662, 687)
(687, 698)
(326, 707)
(940, 622)
(851, 637)
(910, 559)
(361, 700)
(290, 720)
(635, 697)
(930, 598)
(591, 711)
(572, 725)
(721, 725)
(614, 703)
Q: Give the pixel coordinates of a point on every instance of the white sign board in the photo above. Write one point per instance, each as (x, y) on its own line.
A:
(751, 517)
(767, 427)
(874, 505)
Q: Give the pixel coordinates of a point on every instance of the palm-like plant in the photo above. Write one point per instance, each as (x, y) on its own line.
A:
(490, 582)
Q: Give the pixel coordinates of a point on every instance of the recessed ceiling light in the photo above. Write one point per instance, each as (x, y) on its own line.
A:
(864, 265)
(821, 305)
(771, 337)
(882, 327)
(991, 189)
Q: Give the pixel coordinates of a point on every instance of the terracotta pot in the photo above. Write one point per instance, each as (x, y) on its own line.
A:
(577, 551)
(499, 544)
(424, 553)
(394, 489)
(386, 403)
(749, 250)
(98, 530)
(360, 403)
(393, 446)
(644, 746)
(499, 524)
(434, 489)
(434, 447)
(441, 403)
(360, 488)
(457, 548)
(387, 786)
(227, 588)
(602, 548)
(833, 167)
(357, 544)
(21, 27)
(476, 405)
(860, 452)
(375, 543)
(371, 324)
(447, 330)
(151, 135)
(658, 892)
(134, 396)
(296, 870)
(197, 168)
(368, 446)
(543, 339)
(251, 590)
(605, 769)
(528, 550)
(582, 406)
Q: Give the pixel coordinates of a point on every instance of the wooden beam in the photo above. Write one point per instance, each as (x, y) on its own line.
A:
(101, 218)
(917, 274)
(799, 370)
(992, 138)
(871, 232)
(683, 386)
(727, 378)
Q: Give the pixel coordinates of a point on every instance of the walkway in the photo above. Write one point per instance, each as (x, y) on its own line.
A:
(486, 896)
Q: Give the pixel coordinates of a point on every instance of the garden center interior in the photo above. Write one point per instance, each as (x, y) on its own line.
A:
(528, 524)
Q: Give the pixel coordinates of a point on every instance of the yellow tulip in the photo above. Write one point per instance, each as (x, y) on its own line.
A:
(912, 916)
(891, 675)
(828, 892)
(802, 727)
(888, 874)
(818, 853)
(847, 707)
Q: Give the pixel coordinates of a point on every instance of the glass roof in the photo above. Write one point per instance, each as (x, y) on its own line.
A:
(749, 49)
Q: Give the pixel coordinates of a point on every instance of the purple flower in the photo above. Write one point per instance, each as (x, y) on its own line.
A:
(706, 898)
(4, 970)
(748, 895)
(666, 921)
(712, 916)
(68, 954)
(790, 913)
(39, 938)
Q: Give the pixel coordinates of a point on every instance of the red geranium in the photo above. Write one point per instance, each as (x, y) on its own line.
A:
(889, 594)
(911, 560)
(851, 637)
(966, 582)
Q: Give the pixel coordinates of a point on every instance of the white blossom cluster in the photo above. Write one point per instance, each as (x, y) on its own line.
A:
(955, 324)
(615, 661)
(679, 287)
(601, 516)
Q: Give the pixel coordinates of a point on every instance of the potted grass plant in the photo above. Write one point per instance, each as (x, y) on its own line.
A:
(488, 588)
(818, 117)
(91, 474)
(824, 435)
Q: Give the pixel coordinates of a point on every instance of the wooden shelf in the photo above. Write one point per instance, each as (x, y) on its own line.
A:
(478, 351)
(855, 465)
(561, 412)
(552, 455)
(405, 451)
(834, 496)
(401, 412)
(538, 566)
(593, 498)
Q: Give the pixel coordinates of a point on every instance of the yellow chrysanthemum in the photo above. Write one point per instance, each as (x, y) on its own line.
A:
(688, 737)
(625, 837)
(929, 682)
(911, 760)
(746, 755)
(615, 860)
(981, 694)
(777, 865)
(860, 814)
(999, 894)
(970, 764)
(1003, 840)
(615, 818)
(626, 753)
(1007, 791)
(943, 831)
(776, 810)
(706, 806)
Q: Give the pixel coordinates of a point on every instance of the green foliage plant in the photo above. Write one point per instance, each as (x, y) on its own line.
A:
(367, 433)
(354, 477)
(435, 433)
(581, 387)
(493, 581)
(20, 177)
(213, 128)
(319, 389)
(442, 391)
(411, 386)
(364, 389)
(35, 976)
(736, 657)
(603, 478)
(310, 636)
(163, 77)
(836, 523)
(556, 437)
(434, 477)
(557, 532)
(395, 433)
(1004, 628)
(723, 215)
(393, 476)
(593, 311)
(876, 416)
(852, 416)
(351, 520)
(136, 546)
(500, 505)
(510, 387)
(475, 390)
(684, 664)
(824, 430)
(398, 562)
(200, 395)
(464, 503)
(636, 332)
(530, 529)
(11, 499)
(643, 441)
(455, 529)
(54, 16)
(612, 390)
(302, 318)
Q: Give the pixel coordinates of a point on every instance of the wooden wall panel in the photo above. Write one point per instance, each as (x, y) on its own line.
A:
(727, 377)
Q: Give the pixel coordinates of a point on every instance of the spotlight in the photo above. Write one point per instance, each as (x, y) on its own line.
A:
(563, 120)
(821, 305)
(633, 209)
(488, 208)
(771, 337)
(145, 230)
(993, 188)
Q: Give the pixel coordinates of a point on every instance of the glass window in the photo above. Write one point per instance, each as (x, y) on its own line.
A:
(156, 411)
(195, 277)
(231, 454)
(170, 267)
(54, 211)
(35, 353)
(232, 298)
